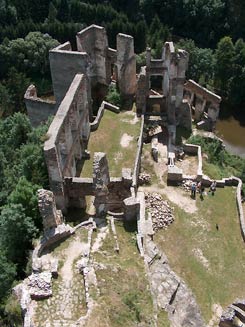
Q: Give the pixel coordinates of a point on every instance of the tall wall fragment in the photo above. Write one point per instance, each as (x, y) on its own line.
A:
(126, 65)
(171, 67)
(93, 41)
(64, 65)
(101, 180)
(47, 207)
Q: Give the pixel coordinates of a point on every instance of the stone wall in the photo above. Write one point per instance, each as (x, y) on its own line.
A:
(38, 109)
(64, 65)
(68, 135)
(93, 41)
(172, 67)
(142, 91)
(47, 207)
(240, 206)
(137, 163)
(197, 150)
(126, 65)
(104, 105)
(205, 102)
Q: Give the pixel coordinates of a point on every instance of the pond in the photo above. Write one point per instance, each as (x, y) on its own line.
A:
(233, 135)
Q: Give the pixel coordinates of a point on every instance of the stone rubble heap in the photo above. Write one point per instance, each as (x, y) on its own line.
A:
(186, 184)
(160, 211)
(40, 285)
(144, 178)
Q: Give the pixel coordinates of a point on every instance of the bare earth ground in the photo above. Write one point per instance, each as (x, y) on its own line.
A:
(189, 165)
(125, 140)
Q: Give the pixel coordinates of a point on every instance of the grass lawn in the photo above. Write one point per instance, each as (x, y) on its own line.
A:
(125, 298)
(211, 261)
(107, 139)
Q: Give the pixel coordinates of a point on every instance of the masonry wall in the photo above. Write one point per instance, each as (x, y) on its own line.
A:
(38, 110)
(93, 41)
(126, 65)
(203, 99)
(68, 136)
(64, 65)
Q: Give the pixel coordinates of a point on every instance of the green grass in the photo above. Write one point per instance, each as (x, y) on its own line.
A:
(162, 319)
(125, 299)
(224, 249)
(107, 139)
(211, 170)
(219, 162)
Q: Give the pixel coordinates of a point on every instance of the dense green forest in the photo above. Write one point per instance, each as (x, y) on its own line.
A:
(212, 31)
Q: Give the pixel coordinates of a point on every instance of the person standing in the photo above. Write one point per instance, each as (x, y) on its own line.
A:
(193, 190)
(213, 187)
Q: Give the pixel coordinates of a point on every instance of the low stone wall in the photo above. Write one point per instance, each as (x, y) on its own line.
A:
(95, 124)
(138, 155)
(197, 150)
(104, 105)
(38, 109)
(239, 206)
(54, 235)
(175, 175)
(190, 148)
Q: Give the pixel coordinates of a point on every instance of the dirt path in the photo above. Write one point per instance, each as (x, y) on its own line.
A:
(175, 195)
(75, 249)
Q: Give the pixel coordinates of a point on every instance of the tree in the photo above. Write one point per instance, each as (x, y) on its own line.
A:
(6, 102)
(16, 84)
(14, 131)
(16, 232)
(25, 194)
(29, 55)
(52, 13)
(201, 61)
(113, 96)
(224, 55)
(237, 96)
(140, 37)
(8, 274)
(64, 11)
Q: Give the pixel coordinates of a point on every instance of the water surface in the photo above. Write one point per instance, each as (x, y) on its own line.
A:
(233, 135)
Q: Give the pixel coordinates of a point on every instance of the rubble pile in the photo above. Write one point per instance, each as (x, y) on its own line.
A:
(186, 185)
(144, 178)
(161, 212)
(40, 285)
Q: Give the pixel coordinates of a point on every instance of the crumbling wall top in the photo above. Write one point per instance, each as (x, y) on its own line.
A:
(47, 207)
(201, 91)
(63, 111)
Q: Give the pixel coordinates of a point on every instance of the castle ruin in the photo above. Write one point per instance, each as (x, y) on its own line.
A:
(80, 82)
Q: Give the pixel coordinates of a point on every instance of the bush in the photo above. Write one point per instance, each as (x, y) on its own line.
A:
(114, 96)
